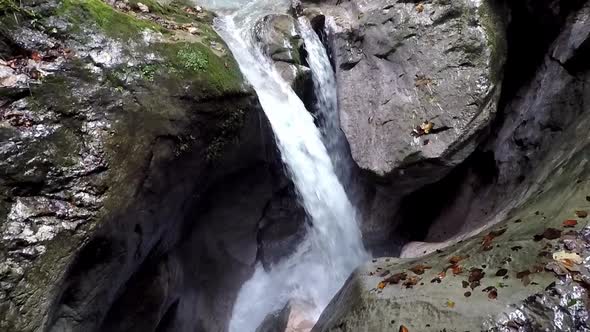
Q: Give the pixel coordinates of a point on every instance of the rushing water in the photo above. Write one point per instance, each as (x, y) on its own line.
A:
(333, 245)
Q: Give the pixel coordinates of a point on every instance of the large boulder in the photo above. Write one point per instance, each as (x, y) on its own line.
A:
(527, 272)
(400, 63)
(115, 124)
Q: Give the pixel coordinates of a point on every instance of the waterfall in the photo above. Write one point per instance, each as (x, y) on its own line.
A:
(333, 246)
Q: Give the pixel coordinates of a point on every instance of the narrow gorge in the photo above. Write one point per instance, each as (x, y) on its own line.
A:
(278, 165)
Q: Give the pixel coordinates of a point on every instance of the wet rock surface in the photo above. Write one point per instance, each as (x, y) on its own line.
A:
(401, 63)
(528, 272)
(117, 124)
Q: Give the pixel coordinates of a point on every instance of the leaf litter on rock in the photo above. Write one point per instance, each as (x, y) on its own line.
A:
(486, 243)
(570, 223)
(581, 214)
(476, 274)
(420, 268)
(411, 282)
(549, 234)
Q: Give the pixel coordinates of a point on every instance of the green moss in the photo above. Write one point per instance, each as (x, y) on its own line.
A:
(196, 62)
(149, 71)
(193, 59)
(114, 23)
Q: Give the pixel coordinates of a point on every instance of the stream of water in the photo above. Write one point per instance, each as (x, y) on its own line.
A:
(333, 246)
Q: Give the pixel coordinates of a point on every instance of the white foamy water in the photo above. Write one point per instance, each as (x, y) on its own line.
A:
(333, 246)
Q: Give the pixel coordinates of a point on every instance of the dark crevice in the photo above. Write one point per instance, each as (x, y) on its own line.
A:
(420, 208)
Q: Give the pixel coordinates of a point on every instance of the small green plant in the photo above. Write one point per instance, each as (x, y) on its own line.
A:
(148, 72)
(193, 59)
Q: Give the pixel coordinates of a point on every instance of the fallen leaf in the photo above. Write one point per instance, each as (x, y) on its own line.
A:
(517, 221)
(474, 285)
(501, 272)
(403, 329)
(395, 279)
(419, 269)
(422, 80)
(570, 223)
(457, 269)
(581, 214)
(411, 282)
(467, 294)
(493, 294)
(450, 304)
(442, 274)
(35, 56)
(465, 284)
(420, 8)
(549, 234)
(568, 256)
(486, 243)
(476, 275)
(381, 285)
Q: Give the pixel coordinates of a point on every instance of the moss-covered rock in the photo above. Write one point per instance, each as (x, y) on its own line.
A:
(117, 107)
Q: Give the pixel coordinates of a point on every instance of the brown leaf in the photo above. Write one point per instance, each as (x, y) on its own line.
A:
(456, 259)
(457, 269)
(467, 294)
(411, 282)
(474, 285)
(381, 285)
(35, 56)
(420, 8)
(403, 329)
(419, 269)
(501, 272)
(476, 275)
(422, 80)
(516, 248)
(486, 243)
(549, 234)
(522, 274)
(493, 294)
(395, 279)
(465, 284)
(570, 223)
(581, 214)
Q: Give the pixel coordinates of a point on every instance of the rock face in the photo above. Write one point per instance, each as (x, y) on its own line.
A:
(281, 41)
(121, 132)
(514, 275)
(400, 63)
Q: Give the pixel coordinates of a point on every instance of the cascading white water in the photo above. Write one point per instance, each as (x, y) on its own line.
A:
(333, 246)
(326, 106)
